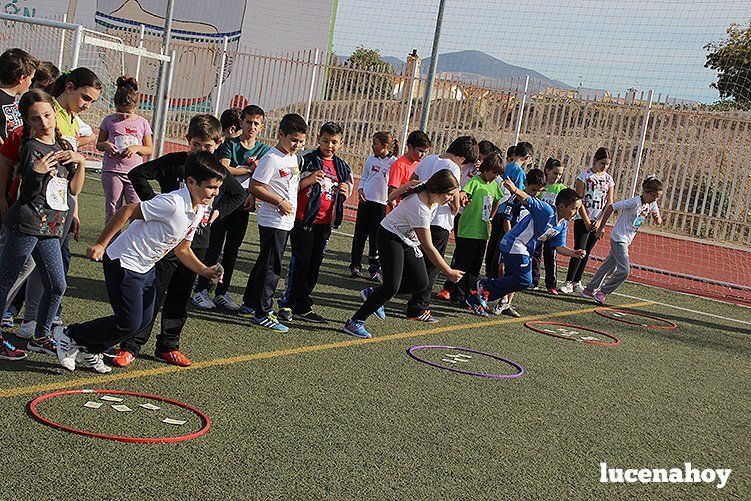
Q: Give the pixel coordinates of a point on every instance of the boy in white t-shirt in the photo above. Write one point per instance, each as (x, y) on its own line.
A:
(634, 211)
(159, 225)
(275, 183)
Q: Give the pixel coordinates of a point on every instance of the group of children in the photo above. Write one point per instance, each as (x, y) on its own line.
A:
(407, 208)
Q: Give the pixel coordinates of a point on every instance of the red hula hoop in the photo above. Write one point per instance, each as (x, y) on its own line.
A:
(118, 438)
(670, 325)
(532, 325)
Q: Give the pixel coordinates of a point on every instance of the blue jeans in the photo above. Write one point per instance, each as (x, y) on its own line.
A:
(517, 276)
(49, 261)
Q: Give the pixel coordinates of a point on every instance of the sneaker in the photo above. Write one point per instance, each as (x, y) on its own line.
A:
(285, 314)
(578, 287)
(533, 288)
(93, 361)
(67, 349)
(174, 357)
(225, 301)
(376, 277)
(426, 317)
(380, 312)
(356, 328)
(123, 358)
(57, 320)
(269, 321)
(309, 316)
(598, 296)
(510, 311)
(10, 352)
(567, 288)
(444, 295)
(202, 300)
(8, 320)
(45, 345)
(482, 294)
(500, 307)
(246, 311)
(27, 329)
(355, 273)
(553, 291)
(476, 309)
(110, 352)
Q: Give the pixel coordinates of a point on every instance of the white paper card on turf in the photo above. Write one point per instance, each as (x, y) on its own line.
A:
(109, 398)
(121, 408)
(93, 405)
(589, 338)
(149, 407)
(176, 422)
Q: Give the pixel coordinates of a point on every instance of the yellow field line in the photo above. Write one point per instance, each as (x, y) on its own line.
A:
(120, 376)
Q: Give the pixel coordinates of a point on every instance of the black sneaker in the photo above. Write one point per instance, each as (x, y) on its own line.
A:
(285, 314)
(310, 316)
(355, 273)
(511, 312)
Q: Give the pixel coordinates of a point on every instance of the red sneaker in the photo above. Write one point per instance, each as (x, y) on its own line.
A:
(444, 295)
(173, 357)
(10, 352)
(123, 358)
(553, 292)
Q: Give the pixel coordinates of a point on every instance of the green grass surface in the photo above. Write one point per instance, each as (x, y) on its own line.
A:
(351, 419)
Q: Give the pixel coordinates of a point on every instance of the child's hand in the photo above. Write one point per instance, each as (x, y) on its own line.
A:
(69, 156)
(214, 273)
(110, 149)
(75, 228)
(464, 199)
(129, 151)
(319, 176)
(285, 208)
(361, 195)
(250, 203)
(45, 164)
(344, 189)
(509, 185)
(95, 252)
(454, 275)
(580, 253)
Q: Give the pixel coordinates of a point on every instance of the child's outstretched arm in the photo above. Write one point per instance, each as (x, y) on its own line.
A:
(600, 223)
(426, 243)
(520, 194)
(398, 192)
(126, 213)
(187, 257)
(565, 251)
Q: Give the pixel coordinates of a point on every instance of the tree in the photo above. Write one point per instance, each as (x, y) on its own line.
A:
(364, 74)
(731, 58)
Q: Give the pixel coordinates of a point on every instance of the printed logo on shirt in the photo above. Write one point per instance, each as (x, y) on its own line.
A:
(131, 130)
(284, 172)
(548, 234)
(12, 118)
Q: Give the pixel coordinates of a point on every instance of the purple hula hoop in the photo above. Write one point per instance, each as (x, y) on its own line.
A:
(412, 350)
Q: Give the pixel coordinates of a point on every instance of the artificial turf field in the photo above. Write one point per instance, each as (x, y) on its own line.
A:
(315, 413)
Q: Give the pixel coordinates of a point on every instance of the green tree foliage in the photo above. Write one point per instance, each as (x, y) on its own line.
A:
(363, 74)
(731, 58)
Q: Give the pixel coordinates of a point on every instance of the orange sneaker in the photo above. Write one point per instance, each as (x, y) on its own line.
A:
(123, 358)
(444, 295)
(173, 357)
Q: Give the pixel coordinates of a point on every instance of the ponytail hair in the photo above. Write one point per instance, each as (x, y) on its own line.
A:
(440, 183)
(387, 139)
(80, 77)
(552, 163)
(651, 184)
(126, 95)
(29, 99)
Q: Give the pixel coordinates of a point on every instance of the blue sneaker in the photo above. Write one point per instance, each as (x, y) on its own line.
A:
(356, 328)
(482, 294)
(8, 321)
(380, 312)
(246, 311)
(269, 321)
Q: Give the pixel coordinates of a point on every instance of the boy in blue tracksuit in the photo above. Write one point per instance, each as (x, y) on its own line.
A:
(543, 223)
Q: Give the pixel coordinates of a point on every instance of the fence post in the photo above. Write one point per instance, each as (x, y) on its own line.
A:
(312, 87)
(141, 36)
(408, 108)
(521, 111)
(165, 104)
(61, 51)
(642, 139)
(220, 83)
(75, 50)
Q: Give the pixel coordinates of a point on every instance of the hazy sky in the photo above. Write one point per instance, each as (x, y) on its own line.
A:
(606, 44)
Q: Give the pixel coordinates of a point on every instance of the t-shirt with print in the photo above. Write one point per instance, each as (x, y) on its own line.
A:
(42, 205)
(540, 225)
(513, 211)
(596, 188)
(410, 214)
(633, 212)
(475, 220)
(168, 219)
(551, 193)
(329, 188)
(239, 155)
(123, 133)
(67, 124)
(281, 174)
(374, 180)
(444, 215)
(11, 149)
(10, 117)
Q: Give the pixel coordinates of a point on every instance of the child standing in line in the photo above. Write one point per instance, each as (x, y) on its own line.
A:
(518, 245)
(240, 156)
(403, 237)
(231, 126)
(401, 170)
(325, 184)
(553, 175)
(125, 138)
(595, 185)
(159, 225)
(372, 195)
(35, 222)
(17, 69)
(275, 182)
(634, 211)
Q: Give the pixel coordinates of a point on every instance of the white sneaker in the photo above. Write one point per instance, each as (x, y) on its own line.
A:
(567, 288)
(67, 349)
(500, 307)
(93, 361)
(202, 300)
(578, 287)
(225, 301)
(27, 329)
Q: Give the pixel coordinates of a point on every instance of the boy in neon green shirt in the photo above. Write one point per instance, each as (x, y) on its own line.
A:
(553, 174)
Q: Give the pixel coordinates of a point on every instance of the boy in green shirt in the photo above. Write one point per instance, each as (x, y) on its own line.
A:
(553, 175)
